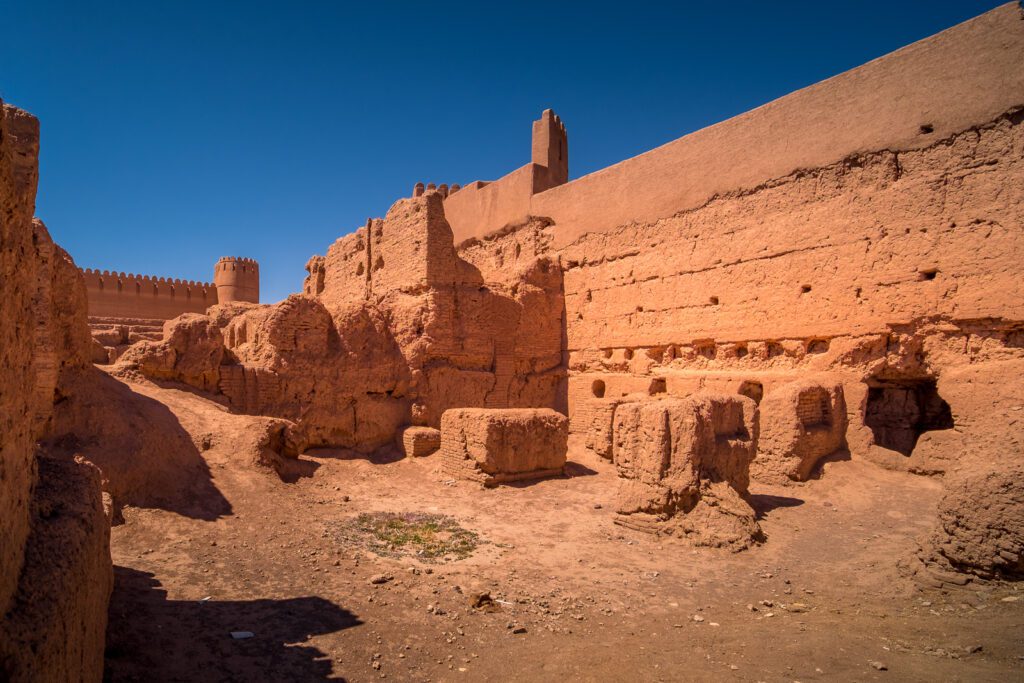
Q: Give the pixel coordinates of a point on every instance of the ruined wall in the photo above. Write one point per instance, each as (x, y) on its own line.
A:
(469, 338)
(787, 276)
(120, 295)
(19, 147)
(55, 570)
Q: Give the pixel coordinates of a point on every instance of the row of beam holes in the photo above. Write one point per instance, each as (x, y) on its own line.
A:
(710, 351)
(926, 274)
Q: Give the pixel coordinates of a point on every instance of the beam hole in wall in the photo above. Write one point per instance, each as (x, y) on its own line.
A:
(707, 350)
(628, 354)
(899, 411)
(714, 300)
(670, 353)
(926, 129)
(359, 269)
(379, 263)
(927, 274)
(804, 289)
(775, 349)
(607, 353)
(657, 386)
(753, 390)
(597, 388)
(741, 351)
(817, 346)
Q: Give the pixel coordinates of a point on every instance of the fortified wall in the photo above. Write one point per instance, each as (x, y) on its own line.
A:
(483, 207)
(125, 308)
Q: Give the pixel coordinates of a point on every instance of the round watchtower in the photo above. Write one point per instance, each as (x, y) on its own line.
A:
(237, 279)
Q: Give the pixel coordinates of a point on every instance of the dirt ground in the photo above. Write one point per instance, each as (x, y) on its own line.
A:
(576, 597)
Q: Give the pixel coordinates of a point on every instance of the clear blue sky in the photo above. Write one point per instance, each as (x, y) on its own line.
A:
(177, 132)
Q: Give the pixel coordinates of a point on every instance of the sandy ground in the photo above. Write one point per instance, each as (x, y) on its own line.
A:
(578, 598)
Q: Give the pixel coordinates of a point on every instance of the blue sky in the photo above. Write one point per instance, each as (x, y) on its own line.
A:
(174, 133)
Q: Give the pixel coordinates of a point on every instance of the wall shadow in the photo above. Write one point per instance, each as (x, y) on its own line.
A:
(147, 457)
(151, 638)
(764, 503)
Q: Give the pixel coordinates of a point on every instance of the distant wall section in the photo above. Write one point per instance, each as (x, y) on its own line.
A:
(120, 295)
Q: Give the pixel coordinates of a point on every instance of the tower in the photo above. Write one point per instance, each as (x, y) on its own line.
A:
(237, 279)
(551, 147)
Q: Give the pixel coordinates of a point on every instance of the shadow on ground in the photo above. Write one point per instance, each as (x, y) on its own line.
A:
(151, 638)
(764, 503)
(147, 457)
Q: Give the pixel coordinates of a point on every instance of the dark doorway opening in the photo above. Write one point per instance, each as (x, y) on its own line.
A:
(900, 411)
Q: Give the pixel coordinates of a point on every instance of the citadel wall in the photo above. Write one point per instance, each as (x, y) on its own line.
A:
(113, 295)
(484, 207)
(906, 100)
(144, 297)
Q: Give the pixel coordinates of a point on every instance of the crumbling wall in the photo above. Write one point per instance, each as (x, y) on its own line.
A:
(801, 422)
(684, 467)
(55, 570)
(468, 337)
(19, 148)
(191, 351)
(492, 446)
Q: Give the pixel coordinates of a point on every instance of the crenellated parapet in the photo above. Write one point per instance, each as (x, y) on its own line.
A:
(419, 189)
(116, 294)
(106, 278)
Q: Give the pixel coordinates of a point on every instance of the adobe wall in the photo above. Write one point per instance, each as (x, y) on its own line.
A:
(481, 208)
(19, 148)
(117, 295)
(905, 100)
(55, 569)
(471, 334)
(485, 207)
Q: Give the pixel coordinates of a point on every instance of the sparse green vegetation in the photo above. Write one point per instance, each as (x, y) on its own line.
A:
(427, 537)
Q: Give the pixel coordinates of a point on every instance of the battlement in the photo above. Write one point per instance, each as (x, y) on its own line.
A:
(104, 278)
(419, 189)
(230, 262)
(115, 294)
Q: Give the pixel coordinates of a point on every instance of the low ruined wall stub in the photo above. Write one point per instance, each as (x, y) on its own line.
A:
(931, 89)
(491, 446)
(800, 423)
(684, 467)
